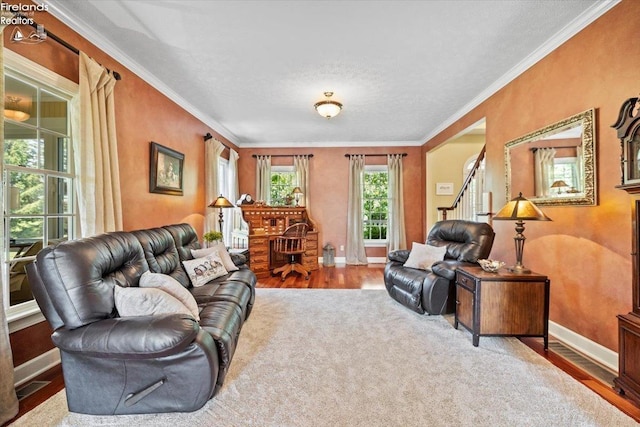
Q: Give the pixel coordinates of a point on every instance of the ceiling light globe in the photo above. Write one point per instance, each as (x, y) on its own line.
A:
(328, 108)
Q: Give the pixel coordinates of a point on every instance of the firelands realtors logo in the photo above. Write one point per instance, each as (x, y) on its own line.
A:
(22, 14)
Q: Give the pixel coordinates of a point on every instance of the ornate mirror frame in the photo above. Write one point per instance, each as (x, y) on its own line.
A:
(588, 196)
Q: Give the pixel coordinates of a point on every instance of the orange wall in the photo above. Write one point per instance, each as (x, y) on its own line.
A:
(142, 115)
(585, 250)
(329, 180)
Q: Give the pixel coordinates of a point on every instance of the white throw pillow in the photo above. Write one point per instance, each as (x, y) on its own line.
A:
(222, 253)
(134, 301)
(424, 256)
(202, 270)
(173, 288)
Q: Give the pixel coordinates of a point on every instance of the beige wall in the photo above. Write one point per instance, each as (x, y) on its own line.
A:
(585, 251)
(445, 164)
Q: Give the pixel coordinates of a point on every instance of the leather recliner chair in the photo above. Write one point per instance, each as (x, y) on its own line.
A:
(115, 365)
(432, 291)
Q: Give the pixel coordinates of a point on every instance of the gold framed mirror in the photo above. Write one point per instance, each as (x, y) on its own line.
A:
(555, 165)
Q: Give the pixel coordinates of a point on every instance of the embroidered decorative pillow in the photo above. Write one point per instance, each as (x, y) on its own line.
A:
(202, 270)
(424, 256)
(172, 287)
(222, 253)
(134, 301)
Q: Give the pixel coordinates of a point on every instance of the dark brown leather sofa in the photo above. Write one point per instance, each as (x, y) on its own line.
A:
(137, 364)
(433, 291)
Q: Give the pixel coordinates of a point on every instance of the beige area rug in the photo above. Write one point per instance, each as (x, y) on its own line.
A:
(357, 358)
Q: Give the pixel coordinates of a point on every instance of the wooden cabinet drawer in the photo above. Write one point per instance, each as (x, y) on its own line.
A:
(262, 268)
(260, 241)
(466, 281)
(259, 259)
(258, 251)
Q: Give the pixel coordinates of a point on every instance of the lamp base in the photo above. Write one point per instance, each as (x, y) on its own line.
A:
(518, 269)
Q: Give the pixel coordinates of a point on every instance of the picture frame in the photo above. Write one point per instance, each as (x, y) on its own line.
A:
(444, 188)
(165, 170)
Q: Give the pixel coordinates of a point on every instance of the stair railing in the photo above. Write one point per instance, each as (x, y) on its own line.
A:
(468, 204)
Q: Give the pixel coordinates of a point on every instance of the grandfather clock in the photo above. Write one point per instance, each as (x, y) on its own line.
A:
(628, 128)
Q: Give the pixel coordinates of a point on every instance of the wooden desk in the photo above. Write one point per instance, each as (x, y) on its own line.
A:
(265, 224)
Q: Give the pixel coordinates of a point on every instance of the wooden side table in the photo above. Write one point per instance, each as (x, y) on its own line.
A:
(502, 303)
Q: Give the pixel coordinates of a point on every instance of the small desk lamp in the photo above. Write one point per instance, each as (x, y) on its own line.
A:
(221, 202)
(519, 210)
(560, 184)
(296, 194)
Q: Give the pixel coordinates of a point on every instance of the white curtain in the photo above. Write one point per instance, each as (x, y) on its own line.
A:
(263, 179)
(301, 168)
(543, 171)
(396, 234)
(212, 150)
(95, 150)
(232, 194)
(8, 399)
(355, 252)
(579, 169)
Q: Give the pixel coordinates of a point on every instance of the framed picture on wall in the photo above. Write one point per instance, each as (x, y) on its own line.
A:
(165, 170)
(444, 188)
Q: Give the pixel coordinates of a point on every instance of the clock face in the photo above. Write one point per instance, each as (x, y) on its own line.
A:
(245, 199)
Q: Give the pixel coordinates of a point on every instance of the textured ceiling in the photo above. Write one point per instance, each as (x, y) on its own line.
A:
(253, 69)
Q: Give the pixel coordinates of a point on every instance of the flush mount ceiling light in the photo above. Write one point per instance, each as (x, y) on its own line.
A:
(12, 111)
(328, 108)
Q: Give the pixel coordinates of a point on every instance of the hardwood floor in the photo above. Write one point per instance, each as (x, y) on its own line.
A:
(339, 277)
(366, 277)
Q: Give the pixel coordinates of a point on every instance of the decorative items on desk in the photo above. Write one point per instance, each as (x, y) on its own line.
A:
(490, 265)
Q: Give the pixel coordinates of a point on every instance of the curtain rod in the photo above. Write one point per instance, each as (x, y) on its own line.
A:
(208, 136)
(534, 149)
(375, 155)
(283, 155)
(33, 24)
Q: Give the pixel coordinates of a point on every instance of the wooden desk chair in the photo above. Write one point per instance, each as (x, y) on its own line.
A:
(292, 242)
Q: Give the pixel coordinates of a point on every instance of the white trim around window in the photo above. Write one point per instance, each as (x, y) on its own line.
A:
(27, 314)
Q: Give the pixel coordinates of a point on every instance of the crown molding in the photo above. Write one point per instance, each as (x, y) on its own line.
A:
(110, 49)
(582, 21)
(333, 144)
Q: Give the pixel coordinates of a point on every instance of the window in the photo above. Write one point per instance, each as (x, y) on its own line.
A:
(375, 204)
(283, 181)
(37, 170)
(565, 169)
(223, 178)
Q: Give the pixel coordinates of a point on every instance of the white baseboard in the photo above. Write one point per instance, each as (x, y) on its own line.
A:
(596, 352)
(36, 366)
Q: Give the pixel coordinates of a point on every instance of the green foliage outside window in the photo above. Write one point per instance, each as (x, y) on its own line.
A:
(375, 205)
(29, 187)
(282, 184)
